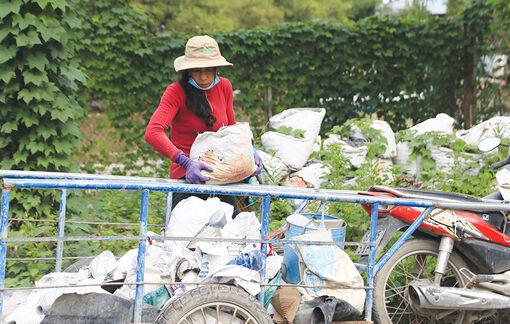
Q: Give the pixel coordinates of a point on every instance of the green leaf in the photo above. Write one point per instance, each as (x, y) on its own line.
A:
(37, 60)
(6, 73)
(72, 73)
(28, 40)
(8, 6)
(9, 126)
(37, 78)
(7, 53)
(25, 21)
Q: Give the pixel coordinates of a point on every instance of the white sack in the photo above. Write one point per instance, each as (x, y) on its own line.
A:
(503, 178)
(162, 261)
(356, 155)
(191, 214)
(445, 158)
(317, 145)
(228, 151)
(307, 119)
(441, 123)
(387, 132)
(313, 174)
(496, 126)
(328, 264)
(294, 152)
(102, 264)
(413, 166)
(237, 275)
(38, 303)
(275, 169)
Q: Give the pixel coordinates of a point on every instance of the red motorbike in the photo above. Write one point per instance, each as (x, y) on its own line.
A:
(455, 269)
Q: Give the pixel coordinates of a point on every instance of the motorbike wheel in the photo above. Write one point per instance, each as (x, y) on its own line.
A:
(416, 259)
(214, 304)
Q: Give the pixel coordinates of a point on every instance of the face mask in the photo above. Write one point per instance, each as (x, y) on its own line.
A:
(193, 83)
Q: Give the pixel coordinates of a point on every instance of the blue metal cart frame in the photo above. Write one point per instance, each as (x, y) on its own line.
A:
(65, 181)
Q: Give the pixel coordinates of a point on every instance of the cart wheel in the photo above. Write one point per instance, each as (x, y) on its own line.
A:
(214, 304)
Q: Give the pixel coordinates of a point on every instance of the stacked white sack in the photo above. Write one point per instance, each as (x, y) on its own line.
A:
(294, 152)
(496, 126)
(307, 119)
(442, 123)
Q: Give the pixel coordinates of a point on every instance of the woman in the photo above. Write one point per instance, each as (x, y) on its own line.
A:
(200, 101)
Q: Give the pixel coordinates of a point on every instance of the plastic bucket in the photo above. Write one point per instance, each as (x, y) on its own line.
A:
(335, 225)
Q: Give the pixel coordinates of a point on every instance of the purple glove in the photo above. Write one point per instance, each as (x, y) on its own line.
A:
(192, 168)
(259, 163)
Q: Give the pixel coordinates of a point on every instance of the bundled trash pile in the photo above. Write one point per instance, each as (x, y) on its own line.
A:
(287, 154)
(175, 267)
(188, 264)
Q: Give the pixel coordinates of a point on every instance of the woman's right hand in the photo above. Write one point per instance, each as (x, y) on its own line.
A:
(193, 169)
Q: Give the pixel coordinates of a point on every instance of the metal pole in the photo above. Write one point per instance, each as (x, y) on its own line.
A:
(168, 211)
(61, 230)
(371, 262)
(144, 211)
(382, 261)
(264, 229)
(4, 222)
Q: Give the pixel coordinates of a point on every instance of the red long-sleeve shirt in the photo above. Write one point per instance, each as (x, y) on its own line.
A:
(186, 125)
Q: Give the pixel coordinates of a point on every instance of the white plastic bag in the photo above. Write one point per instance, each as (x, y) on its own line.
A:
(275, 169)
(441, 123)
(307, 119)
(496, 126)
(313, 174)
(356, 155)
(294, 152)
(191, 214)
(228, 151)
(503, 178)
(387, 132)
(328, 264)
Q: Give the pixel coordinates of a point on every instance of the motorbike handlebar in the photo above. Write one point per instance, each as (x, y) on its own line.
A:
(499, 164)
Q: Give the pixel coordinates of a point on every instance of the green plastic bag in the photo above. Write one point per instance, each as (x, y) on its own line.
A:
(269, 290)
(158, 297)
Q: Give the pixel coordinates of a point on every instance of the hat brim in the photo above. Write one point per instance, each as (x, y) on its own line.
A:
(183, 63)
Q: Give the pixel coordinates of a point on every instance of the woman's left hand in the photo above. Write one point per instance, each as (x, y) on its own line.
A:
(259, 163)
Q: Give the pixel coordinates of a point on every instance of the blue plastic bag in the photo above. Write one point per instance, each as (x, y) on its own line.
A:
(251, 260)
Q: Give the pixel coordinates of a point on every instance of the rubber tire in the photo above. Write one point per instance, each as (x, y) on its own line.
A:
(412, 245)
(172, 312)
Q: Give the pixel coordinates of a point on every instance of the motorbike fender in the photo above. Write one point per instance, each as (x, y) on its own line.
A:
(387, 227)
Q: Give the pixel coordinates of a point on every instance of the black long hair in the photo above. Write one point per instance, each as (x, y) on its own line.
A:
(196, 100)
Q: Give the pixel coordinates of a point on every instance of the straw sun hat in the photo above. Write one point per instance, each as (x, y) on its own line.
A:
(201, 52)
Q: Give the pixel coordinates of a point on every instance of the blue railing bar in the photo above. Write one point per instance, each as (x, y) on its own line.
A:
(265, 209)
(4, 224)
(371, 261)
(79, 222)
(382, 261)
(253, 190)
(144, 212)
(61, 230)
(174, 238)
(168, 211)
(19, 174)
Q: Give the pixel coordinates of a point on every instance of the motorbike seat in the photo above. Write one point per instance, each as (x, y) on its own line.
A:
(424, 194)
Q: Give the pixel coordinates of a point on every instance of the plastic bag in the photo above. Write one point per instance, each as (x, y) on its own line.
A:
(328, 264)
(499, 125)
(294, 152)
(275, 169)
(441, 123)
(356, 155)
(307, 119)
(313, 174)
(228, 151)
(251, 260)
